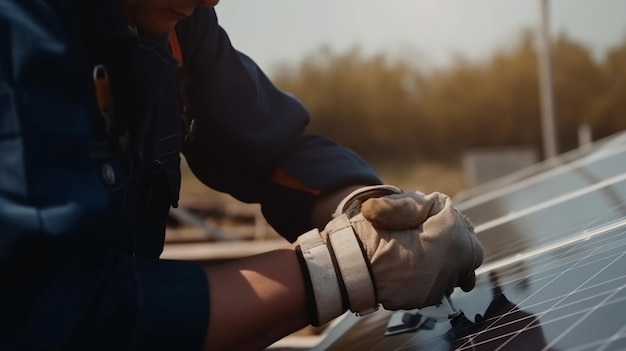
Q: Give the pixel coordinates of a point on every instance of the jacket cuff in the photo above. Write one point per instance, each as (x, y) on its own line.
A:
(174, 305)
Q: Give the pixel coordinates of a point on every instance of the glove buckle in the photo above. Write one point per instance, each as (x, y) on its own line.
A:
(366, 311)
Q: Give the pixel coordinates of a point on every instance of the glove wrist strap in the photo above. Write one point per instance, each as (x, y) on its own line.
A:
(352, 265)
(338, 272)
(323, 293)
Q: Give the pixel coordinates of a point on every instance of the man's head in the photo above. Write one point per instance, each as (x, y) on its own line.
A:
(159, 16)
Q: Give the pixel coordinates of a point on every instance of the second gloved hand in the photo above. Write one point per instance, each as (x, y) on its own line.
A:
(402, 250)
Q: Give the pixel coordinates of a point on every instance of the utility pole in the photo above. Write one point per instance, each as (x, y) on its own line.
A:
(546, 85)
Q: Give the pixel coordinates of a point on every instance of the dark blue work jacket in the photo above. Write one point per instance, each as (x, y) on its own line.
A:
(84, 195)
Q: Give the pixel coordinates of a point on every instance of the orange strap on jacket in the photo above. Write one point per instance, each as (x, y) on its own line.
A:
(178, 54)
(175, 46)
(283, 178)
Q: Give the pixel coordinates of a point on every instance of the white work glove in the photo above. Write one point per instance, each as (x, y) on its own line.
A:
(402, 250)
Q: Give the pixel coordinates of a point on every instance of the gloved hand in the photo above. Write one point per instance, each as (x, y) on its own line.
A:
(402, 250)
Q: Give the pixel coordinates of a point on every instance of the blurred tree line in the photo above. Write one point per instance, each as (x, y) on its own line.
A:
(390, 108)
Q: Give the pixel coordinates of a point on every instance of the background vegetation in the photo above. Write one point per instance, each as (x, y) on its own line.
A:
(389, 109)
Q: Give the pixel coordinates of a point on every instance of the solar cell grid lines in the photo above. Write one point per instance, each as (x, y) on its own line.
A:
(574, 295)
(547, 185)
(554, 276)
(565, 216)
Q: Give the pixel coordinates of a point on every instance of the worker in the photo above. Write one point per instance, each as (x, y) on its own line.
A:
(98, 100)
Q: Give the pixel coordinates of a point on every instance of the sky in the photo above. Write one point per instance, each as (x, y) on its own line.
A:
(275, 32)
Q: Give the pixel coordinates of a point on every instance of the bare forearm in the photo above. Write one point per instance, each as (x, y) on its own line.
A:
(261, 297)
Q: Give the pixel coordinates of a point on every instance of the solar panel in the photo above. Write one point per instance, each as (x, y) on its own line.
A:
(554, 276)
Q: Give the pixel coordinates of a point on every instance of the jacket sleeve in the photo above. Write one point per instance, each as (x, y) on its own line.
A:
(249, 138)
(63, 286)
